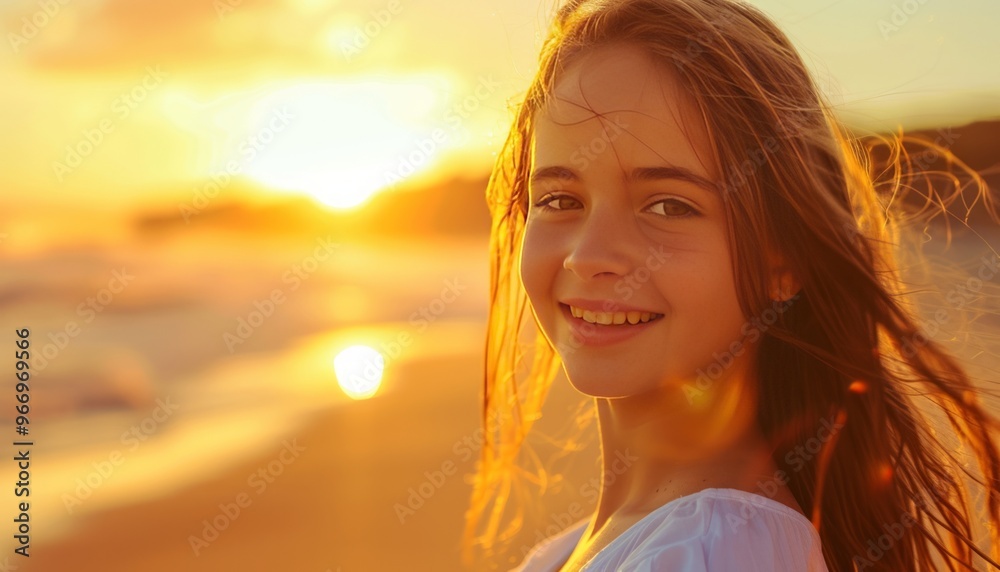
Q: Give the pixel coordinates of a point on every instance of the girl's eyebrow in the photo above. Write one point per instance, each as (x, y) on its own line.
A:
(562, 173)
(640, 174)
(652, 174)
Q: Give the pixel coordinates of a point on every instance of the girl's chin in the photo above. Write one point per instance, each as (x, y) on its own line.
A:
(609, 387)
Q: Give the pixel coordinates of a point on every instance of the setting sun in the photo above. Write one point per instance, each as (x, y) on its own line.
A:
(345, 140)
(337, 141)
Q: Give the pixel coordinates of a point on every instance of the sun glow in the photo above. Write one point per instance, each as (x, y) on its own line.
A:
(344, 139)
(338, 141)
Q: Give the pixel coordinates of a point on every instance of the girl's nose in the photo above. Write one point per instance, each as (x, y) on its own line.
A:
(605, 244)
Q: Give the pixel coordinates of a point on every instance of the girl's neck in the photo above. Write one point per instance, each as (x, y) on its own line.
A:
(656, 448)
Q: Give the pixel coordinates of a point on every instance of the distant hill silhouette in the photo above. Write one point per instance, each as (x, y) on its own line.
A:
(453, 208)
(977, 144)
(458, 207)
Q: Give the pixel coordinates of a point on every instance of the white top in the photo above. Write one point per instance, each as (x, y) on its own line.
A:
(713, 530)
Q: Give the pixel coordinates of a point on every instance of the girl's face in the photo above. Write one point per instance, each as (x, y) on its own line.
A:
(634, 221)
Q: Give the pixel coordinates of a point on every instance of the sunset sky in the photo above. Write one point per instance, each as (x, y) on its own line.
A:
(155, 97)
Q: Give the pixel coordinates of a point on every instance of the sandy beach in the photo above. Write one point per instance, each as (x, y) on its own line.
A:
(331, 508)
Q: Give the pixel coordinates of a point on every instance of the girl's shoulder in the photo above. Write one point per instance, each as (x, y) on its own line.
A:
(549, 554)
(713, 529)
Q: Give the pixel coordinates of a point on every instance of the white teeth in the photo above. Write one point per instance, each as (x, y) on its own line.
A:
(606, 318)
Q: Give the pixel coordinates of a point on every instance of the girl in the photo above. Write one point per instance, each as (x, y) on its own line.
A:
(703, 250)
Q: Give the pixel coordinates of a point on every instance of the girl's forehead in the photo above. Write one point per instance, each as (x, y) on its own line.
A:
(620, 95)
(612, 78)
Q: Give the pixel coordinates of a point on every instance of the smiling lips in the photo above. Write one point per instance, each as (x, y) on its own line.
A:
(607, 312)
(613, 318)
(606, 328)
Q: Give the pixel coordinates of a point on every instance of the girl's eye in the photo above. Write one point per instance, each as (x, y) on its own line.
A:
(675, 209)
(671, 208)
(545, 204)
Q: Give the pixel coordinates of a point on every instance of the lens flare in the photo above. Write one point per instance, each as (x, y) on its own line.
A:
(858, 386)
(359, 371)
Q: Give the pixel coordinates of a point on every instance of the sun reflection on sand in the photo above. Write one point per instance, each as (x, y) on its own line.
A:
(359, 371)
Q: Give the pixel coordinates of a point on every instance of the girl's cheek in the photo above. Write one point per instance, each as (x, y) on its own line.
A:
(535, 261)
(542, 240)
(674, 242)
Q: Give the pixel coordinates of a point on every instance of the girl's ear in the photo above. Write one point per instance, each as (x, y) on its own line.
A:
(784, 283)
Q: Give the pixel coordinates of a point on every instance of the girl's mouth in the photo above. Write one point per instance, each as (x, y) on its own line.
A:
(596, 334)
(612, 318)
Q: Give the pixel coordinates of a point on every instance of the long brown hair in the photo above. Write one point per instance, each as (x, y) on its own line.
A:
(850, 347)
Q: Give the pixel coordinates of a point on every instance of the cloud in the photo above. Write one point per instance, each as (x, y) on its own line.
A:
(119, 35)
